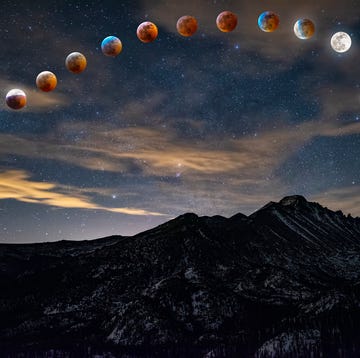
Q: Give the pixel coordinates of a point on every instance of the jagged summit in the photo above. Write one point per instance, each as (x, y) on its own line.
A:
(293, 200)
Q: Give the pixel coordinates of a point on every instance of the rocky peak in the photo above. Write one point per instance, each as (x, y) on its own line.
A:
(188, 217)
(293, 201)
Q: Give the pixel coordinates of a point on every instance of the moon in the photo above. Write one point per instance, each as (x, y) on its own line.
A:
(341, 42)
(147, 32)
(46, 81)
(16, 99)
(304, 29)
(111, 46)
(187, 25)
(76, 62)
(268, 21)
(226, 21)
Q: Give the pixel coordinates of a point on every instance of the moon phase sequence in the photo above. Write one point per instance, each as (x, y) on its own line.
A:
(186, 26)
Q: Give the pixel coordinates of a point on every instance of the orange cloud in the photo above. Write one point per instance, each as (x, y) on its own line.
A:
(16, 184)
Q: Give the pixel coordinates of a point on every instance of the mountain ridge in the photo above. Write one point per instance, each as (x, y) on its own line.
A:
(289, 272)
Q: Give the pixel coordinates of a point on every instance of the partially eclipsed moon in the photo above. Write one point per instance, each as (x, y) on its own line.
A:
(268, 21)
(75, 62)
(111, 46)
(341, 42)
(304, 29)
(46, 81)
(16, 98)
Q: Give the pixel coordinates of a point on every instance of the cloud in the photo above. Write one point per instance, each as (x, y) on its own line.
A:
(339, 100)
(347, 199)
(16, 184)
(209, 176)
(208, 172)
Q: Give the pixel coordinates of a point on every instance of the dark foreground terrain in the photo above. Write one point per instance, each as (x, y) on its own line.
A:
(283, 282)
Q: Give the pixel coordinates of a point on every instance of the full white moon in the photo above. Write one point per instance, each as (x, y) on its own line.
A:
(341, 42)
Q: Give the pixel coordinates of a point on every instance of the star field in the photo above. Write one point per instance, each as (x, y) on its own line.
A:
(217, 123)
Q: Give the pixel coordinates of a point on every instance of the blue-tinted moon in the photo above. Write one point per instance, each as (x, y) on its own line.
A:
(111, 46)
(304, 29)
(268, 21)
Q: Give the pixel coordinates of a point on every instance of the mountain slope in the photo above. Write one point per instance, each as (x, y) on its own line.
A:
(284, 281)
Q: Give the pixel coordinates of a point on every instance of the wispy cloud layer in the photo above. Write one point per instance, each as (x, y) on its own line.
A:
(237, 172)
(16, 184)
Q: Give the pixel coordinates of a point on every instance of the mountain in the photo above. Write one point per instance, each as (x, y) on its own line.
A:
(282, 282)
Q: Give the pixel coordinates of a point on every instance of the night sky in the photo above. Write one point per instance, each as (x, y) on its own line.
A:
(218, 123)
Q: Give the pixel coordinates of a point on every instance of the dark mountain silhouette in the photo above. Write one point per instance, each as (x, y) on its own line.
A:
(283, 282)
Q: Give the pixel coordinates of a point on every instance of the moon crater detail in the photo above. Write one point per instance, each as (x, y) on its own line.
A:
(341, 42)
(187, 25)
(147, 32)
(76, 62)
(226, 21)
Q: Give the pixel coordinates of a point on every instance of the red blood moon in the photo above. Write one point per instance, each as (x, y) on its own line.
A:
(147, 32)
(226, 21)
(46, 81)
(76, 62)
(186, 25)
